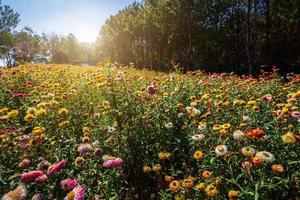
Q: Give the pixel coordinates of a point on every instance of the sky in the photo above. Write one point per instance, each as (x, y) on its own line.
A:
(83, 18)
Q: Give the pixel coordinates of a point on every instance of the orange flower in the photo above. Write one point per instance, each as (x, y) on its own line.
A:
(278, 168)
(206, 174)
(147, 169)
(198, 155)
(256, 160)
(169, 178)
(174, 186)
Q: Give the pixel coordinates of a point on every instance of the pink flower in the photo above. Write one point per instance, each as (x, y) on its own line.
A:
(56, 167)
(295, 114)
(79, 193)
(247, 166)
(115, 163)
(68, 184)
(18, 94)
(41, 179)
(151, 89)
(31, 176)
(268, 98)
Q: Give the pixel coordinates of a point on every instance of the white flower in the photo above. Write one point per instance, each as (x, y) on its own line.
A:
(239, 135)
(169, 125)
(248, 151)
(19, 193)
(193, 103)
(198, 137)
(201, 128)
(265, 156)
(246, 119)
(196, 112)
(221, 150)
(180, 114)
(111, 129)
(31, 110)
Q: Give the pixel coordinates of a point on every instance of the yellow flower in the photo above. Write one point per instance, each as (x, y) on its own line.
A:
(40, 112)
(174, 186)
(289, 138)
(226, 126)
(4, 110)
(64, 124)
(211, 190)
(233, 194)
(157, 168)
(217, 127)
(198, 155)
(179, 197)
(38, 130)
(28, 117)
(63, 111)
(200, 186)
(164, 155)
(12, 114)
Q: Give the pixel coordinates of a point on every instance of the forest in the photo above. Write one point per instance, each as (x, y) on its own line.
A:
(241, 36)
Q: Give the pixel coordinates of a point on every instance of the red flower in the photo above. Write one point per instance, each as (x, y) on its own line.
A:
(255, 133)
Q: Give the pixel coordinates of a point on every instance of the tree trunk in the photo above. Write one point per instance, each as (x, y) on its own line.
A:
(267, 45)
(249, 39)
(237, 43)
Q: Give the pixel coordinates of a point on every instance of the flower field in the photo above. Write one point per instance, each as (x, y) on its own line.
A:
(114, 132)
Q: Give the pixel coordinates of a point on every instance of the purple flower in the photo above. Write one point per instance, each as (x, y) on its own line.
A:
(68, 184)
(84, 148)
(151, 89)
(115, 163)
(56, 167)
(24, 138)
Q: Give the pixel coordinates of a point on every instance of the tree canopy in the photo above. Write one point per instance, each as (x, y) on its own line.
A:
(200, 34)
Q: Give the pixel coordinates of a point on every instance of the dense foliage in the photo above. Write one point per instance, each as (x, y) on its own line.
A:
(120, 133)
(214, 35)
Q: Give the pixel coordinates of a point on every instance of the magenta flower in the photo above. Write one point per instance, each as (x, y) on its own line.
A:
(56, 167)
(41, 179)
(31, 176)
(68, 184)
(115, 163)
(151, 89)
(295, 114)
